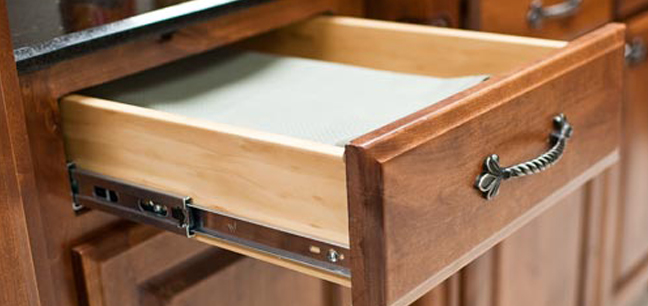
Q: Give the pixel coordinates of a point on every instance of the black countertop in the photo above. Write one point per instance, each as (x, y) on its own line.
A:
(47, 31)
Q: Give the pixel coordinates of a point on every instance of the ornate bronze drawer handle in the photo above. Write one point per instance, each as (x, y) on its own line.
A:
(537, 13)
(489, 181)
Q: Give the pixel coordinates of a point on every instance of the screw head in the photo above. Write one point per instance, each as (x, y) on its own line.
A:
(334, 256)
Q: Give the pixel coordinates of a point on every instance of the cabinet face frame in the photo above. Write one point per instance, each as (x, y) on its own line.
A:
(19, 262)
(629, 252)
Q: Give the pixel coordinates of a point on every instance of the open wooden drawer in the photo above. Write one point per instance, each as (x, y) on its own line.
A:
(395, 211)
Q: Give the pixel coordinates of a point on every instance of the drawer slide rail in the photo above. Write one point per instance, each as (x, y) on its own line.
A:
(179, 215)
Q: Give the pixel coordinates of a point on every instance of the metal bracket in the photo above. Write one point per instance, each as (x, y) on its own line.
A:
(179, 215)
(140, 204)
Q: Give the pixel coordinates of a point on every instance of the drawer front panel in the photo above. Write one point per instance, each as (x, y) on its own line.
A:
(513, 17)
(415, 215)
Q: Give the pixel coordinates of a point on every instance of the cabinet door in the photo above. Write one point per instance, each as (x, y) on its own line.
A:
(631, 266)
(539, 265)
(139, 265)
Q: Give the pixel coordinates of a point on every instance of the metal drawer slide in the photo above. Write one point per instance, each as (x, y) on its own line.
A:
(178, 214)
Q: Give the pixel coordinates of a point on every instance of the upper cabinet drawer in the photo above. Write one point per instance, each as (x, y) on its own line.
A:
(555, 19)
(364, 173)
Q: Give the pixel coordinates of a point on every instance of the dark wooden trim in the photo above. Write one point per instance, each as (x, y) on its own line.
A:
(366, 229)
(17, 186)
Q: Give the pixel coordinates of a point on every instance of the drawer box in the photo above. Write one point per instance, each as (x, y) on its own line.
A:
(397, 204)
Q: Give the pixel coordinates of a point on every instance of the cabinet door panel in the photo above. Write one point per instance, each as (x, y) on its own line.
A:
(540, 264)
(138, 265)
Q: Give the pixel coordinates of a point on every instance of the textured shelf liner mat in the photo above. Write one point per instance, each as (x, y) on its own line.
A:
(308, 99)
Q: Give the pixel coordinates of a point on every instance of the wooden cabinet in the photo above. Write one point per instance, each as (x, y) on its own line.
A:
(260, 184)
(398, 205)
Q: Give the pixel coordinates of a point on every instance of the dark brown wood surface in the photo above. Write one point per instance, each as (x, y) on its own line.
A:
(138, 265)
(510, 17)
(411, 183)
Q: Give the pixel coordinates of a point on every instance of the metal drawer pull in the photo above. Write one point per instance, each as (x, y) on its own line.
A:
(489, 181)
(537, 13)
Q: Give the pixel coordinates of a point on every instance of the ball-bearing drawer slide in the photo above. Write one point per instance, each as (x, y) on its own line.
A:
(179, 215)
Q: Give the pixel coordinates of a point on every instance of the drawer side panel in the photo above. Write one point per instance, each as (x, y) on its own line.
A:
(289, 184)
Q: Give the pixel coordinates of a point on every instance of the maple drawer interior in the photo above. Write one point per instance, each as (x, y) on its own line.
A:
(290, 183)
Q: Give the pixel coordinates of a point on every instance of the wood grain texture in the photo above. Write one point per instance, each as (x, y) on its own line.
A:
(479, 280)
(418, 172)
(261, 177)
(446, 294)
(598, 277)
(541, 263)
(22, 236)
(404, 48)
(125, 267)
(446, 13)
(41, 90)
(510, 17)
